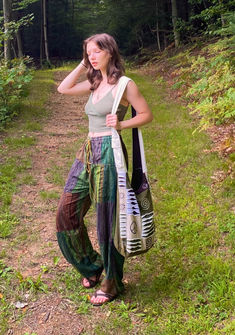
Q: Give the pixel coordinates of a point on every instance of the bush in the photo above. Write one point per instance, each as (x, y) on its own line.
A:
(14, 76)
(209, 80)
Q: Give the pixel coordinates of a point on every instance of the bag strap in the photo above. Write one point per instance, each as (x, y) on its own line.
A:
(123, 81)
(138, 155)
(138, 144)
(116, 143)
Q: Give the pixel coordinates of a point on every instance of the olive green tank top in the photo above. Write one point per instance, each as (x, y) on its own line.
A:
(97, 112)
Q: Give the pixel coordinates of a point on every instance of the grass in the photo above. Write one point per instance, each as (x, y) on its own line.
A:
(15, 170)
(55, 174)
(7, 223)
(47, 195)
(186, 284)
(15, 288)
(15, 148)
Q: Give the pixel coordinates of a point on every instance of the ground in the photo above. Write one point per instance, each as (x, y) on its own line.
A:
(49, 314)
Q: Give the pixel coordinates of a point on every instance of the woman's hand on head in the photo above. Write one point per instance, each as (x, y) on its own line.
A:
(70, 84)
(84, 65)
(112, 121)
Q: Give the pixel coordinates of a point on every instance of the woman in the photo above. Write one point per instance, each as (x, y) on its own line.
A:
(93, 174)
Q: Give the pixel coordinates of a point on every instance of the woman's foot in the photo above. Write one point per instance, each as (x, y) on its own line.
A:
(99, 298)
(89, 282)
(92, 281)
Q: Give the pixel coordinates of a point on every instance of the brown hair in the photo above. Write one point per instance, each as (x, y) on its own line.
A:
(115, 68)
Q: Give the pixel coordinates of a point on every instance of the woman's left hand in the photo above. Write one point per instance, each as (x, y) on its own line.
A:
(112, 121)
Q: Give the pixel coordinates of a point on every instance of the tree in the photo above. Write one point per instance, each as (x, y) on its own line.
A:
(174, 22)
(7, 13)
(44, 24)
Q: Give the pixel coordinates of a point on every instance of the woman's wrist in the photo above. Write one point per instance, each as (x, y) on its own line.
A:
(83, 65)
(120, 125)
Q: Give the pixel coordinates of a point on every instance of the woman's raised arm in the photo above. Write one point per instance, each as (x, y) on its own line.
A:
(70, 86)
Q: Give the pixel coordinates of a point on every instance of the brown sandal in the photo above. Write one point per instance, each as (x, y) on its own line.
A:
(93, 282)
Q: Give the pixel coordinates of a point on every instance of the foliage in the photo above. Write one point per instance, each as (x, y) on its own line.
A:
(7, 222)
(22, 4)
(13, 80)
(209, 78)
(229, 27)
(15, 24)
(135, 24)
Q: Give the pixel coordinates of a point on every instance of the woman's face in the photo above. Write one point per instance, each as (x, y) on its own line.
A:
(98, 58)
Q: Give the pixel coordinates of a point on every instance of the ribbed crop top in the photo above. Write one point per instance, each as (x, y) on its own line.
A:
(97, 112)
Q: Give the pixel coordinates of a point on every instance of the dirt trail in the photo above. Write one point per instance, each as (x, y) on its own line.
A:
(50, 314)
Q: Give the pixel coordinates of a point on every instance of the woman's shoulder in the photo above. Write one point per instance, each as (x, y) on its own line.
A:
(125, 79)
(130, 83)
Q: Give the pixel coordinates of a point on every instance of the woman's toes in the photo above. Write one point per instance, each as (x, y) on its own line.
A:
(85, 282)
(96, 299)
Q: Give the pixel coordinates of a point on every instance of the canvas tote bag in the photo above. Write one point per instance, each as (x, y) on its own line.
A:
(135, 229)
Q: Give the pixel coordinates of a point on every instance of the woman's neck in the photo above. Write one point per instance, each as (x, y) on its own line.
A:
(104, 76)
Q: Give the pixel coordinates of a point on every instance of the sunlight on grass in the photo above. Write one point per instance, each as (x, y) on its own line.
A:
(47, 195)
(14, 166)
(7, 224)
(20, 142)
(185, 263)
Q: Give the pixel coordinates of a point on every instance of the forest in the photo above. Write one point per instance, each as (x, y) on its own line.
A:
(180, 53)
(46, 33)
(56, 29)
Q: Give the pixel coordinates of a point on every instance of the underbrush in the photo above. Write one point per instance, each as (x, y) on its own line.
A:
(201, 74)
(14, 78)
(207, 80)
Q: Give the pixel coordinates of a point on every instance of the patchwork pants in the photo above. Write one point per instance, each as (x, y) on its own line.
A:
(92, 178)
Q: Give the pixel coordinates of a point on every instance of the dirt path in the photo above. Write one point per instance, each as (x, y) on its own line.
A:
(50, 314)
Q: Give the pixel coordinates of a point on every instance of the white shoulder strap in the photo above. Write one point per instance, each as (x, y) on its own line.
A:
(121, 88)
(116, 144)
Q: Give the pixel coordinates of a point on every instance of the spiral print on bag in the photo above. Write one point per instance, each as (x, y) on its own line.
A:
(145, 204)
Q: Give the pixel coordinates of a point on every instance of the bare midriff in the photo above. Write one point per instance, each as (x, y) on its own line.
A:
(103, 133)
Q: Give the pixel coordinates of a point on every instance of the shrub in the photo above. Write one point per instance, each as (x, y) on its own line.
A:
(209, 78)
(14, 76)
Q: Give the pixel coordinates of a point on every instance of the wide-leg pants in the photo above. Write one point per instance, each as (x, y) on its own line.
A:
(92, 178)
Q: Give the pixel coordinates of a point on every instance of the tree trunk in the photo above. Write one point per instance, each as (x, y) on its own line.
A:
(157, 27)
(7, 10)
(13, 48)
(222, 14)
(72, 18)
(165, 40)
(18, 36)
(41, 36)
(45, 30)
(19, 44)
(174, 22)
